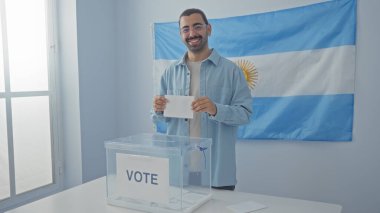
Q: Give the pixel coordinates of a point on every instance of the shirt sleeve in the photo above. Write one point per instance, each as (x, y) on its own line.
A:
(240, 109)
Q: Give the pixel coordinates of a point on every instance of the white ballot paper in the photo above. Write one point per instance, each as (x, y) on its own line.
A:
(178, 106)
(244, 207)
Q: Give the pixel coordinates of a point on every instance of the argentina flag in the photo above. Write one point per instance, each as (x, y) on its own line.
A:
(299, 64)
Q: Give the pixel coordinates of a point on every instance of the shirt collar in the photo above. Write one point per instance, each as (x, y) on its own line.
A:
(214, 58)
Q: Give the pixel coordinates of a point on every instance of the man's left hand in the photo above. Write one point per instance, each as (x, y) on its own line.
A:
(204, 104)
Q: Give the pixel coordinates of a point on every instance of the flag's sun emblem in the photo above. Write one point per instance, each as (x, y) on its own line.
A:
(250, 72)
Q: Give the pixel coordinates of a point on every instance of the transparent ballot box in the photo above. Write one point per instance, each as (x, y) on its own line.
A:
(158, 173)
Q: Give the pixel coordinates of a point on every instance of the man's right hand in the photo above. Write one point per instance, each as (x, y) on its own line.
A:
(159, 103)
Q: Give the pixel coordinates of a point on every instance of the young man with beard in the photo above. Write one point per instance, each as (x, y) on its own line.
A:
(222, 97)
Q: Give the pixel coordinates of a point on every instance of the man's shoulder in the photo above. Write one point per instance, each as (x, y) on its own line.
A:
(174, 65)
(223, 61)
(227, 63)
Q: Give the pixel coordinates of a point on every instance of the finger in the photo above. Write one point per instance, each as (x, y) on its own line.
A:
(200, 100)
(200, 108)
(201, 105)
(159, 103)
(161, 100)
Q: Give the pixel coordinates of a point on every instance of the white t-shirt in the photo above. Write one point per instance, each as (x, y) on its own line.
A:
(195, 123)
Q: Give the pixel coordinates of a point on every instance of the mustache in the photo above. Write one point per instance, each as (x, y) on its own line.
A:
(194, 37)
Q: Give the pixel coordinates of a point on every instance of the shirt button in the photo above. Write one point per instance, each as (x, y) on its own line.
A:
(185, 119)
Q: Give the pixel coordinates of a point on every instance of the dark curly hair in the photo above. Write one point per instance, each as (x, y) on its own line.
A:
(191, 11)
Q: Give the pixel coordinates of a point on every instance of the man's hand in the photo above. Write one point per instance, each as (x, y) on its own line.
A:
(204, 104)
(159, 103)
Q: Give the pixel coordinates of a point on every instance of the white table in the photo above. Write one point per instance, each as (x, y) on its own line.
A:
(91, 198)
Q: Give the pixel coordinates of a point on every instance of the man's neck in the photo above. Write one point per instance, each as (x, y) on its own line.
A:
(199, 56)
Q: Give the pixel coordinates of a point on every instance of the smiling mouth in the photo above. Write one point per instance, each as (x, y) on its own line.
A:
(194, 40)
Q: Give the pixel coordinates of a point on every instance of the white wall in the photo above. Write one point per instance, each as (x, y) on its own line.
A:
(346, 173)
(97, 82)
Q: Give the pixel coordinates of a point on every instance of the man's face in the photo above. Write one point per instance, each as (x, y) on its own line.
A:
(194, 32)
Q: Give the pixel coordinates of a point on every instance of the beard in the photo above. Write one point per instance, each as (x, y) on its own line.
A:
(196, 43)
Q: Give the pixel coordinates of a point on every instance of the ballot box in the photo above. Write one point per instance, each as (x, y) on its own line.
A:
(158, 173)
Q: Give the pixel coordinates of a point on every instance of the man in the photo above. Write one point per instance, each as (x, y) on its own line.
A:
(223, 100)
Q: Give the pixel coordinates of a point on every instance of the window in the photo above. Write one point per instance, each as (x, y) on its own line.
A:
(28, 142)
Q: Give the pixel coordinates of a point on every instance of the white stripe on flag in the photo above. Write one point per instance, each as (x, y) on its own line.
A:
(313, 72)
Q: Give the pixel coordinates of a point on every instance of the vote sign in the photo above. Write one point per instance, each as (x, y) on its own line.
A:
(143, 177)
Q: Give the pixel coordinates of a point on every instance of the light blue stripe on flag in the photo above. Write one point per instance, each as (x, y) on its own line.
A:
(317, 26)
(322, 118)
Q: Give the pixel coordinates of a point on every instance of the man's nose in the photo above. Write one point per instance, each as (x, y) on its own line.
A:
(192, 32)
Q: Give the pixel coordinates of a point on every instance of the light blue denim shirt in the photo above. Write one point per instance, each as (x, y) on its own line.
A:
(224, 83)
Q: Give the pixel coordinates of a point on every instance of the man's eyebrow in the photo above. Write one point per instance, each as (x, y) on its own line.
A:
(195, 24)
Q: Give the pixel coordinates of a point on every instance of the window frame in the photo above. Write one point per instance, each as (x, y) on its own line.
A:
(14, 199)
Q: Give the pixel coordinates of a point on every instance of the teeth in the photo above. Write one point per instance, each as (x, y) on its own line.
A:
(192, 41)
